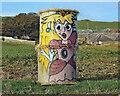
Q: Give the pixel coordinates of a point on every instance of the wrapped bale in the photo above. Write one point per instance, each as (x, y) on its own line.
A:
(56, 49)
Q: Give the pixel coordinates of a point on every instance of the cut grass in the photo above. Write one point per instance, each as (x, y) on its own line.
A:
(28, 86)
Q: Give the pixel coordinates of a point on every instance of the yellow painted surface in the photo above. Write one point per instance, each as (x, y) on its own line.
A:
(47, 37)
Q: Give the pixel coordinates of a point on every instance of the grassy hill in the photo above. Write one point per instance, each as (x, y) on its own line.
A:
(82, 24)
(97, 24)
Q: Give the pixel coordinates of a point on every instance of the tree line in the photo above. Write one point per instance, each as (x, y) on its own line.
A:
(21, 25)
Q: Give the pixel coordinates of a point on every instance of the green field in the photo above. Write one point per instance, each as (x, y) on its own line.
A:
(82, 87)
(97, 71)
(97, 24)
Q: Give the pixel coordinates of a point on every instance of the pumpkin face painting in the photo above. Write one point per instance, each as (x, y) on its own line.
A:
(59, 33)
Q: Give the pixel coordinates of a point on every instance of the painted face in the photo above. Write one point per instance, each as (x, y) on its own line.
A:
(63, 30)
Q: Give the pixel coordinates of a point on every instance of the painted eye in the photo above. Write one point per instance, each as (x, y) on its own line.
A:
(48, 30)
(68, 27)
(58, 27)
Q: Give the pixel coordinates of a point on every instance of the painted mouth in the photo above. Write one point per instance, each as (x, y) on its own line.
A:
(64, 35)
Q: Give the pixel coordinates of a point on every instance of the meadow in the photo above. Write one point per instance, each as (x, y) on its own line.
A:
(97, 71)
(96, 25)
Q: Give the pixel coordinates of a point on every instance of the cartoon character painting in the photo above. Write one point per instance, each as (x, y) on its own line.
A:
(59, 33)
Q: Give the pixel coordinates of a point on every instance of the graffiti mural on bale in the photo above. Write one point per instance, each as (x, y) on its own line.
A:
(58, 37)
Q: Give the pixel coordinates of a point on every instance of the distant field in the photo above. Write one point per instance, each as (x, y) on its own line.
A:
(97, 70)
(96, 24)
(93, 24)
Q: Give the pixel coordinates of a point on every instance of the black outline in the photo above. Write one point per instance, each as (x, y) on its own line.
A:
(54, 81)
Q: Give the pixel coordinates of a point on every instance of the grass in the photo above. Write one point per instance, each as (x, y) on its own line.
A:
(14, 50)
(96, 24)
(19, 60)
(97, 70)
(99, 62)
(83, 87)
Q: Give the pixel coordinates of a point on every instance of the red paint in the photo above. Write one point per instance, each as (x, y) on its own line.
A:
(57, 66)
(72, 62)
(72, 38)
(64, 35)
(63, 14)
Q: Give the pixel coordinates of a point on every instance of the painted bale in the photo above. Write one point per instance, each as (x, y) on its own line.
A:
(56, 49)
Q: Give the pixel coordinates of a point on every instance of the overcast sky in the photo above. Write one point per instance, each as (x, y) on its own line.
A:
(95, 11)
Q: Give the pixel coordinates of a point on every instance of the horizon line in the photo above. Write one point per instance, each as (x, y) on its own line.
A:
(77, 20)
